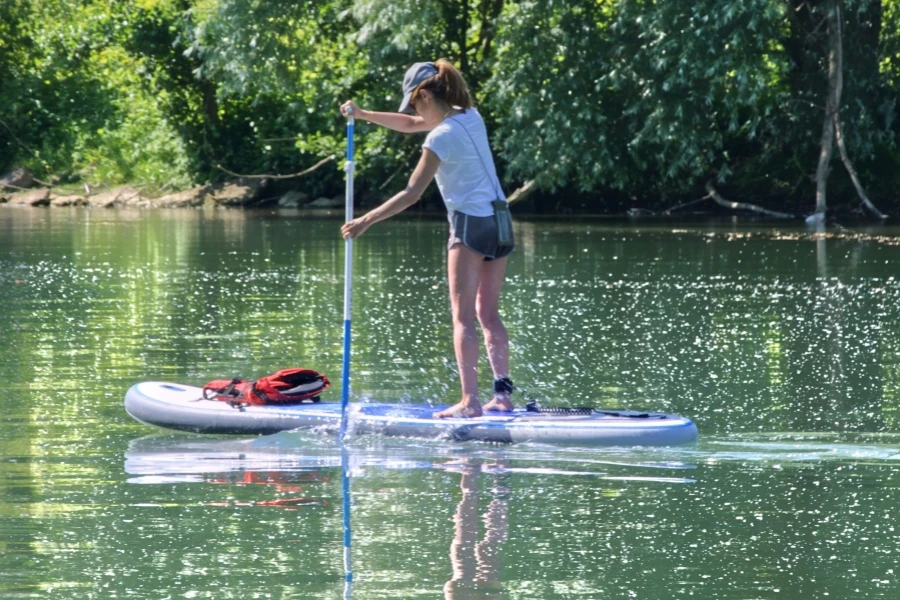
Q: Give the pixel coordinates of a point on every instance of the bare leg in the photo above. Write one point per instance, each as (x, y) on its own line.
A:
(496, 339)
(487, 551)
(476, 564)
(465, 538)
(464, 269)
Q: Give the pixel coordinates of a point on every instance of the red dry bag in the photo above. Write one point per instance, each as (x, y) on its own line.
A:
(288, 386)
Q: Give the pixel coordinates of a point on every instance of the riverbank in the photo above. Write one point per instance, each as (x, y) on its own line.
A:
(241, 193)
(18, 188)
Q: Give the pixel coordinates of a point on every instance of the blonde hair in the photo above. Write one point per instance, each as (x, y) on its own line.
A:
(447, 85)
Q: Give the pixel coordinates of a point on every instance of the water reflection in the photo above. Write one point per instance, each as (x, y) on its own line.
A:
(475, 556)
(296, 472)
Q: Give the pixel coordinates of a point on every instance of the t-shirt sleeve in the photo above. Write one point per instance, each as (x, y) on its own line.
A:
(438, 141)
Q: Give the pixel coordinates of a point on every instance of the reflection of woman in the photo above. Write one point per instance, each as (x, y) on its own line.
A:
(457, 154)
(476, 564)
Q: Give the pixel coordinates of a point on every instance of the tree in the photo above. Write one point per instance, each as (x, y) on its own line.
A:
(622, 94)
(832, 128)
(619, 103)
(661, 97)
(47, 96)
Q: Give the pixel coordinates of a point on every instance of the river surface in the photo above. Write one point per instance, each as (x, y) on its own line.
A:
(783, 345)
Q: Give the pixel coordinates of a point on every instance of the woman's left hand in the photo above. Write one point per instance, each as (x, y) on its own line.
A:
(354, 228)
(350, 109)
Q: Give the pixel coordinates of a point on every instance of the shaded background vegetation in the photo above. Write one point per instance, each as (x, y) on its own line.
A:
(605, 105)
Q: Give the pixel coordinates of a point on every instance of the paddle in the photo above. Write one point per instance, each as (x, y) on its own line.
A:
(345, 381)
(348, 280)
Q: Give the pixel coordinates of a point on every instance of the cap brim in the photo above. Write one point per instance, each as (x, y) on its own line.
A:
(404, 106)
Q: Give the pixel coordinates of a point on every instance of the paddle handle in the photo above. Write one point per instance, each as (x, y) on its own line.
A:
(348, 280)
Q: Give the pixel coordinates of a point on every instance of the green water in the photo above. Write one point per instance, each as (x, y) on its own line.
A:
(783, 346)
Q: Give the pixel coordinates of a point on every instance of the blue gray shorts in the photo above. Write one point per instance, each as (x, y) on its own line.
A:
(478, 234)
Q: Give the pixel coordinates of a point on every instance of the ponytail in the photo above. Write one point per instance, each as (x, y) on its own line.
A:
(447, 85)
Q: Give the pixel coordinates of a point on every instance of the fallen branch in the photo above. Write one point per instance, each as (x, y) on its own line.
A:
(18, 141)
(744, 205)
(391, 178)
(14, 187)
(404, 166)
(49, 186)
(46, 184)
(669, 211)
(523, 192)
(32, 152)
(300, 174)
(845, 158)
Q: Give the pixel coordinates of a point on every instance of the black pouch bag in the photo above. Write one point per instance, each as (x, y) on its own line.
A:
(502, 217)
(503, 220)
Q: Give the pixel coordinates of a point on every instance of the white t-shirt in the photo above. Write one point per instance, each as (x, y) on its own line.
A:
(468, 183)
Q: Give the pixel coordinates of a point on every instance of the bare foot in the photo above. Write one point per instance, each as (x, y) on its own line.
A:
(499, 403)
(463, 410)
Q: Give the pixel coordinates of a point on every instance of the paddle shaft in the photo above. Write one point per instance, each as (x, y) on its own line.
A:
(345, 378)
(345, 502)
(348, 281)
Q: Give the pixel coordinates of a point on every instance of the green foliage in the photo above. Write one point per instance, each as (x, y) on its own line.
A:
(76, 105)
(283, 67)
(644, 99)
(642, 93)
(48, 96)
(657, 97)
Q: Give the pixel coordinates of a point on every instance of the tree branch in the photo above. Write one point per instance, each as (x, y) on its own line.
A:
(18, 141)
(744, 205)
(845, 158)
(300, 174)
(522, 193)
(669, 211)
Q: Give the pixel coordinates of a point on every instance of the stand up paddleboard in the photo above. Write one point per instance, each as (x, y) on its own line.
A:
(182, 407)
(185, 408)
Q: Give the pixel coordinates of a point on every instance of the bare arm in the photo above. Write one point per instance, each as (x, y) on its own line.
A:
(396, 121)
(418, 181)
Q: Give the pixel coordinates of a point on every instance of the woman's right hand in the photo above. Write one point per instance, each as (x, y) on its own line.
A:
(350, 109)
(355, 228)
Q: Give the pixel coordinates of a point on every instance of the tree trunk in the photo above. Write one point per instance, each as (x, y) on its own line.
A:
(490, 14)
(839, 136)
(463, 37)
(832, 101)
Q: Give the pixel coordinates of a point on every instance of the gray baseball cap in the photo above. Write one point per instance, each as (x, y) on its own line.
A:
(415, 75)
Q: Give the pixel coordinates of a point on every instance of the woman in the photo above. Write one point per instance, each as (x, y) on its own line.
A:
(456, 153)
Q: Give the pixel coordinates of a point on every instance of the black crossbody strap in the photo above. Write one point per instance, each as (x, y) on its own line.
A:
(494, 180)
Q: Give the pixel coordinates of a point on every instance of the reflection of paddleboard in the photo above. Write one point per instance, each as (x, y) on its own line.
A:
(182, 407)
(282, 481)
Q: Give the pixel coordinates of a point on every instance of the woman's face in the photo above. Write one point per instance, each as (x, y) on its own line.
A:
(426, 107)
